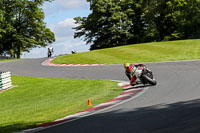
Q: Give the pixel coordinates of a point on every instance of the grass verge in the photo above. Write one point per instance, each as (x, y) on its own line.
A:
(146, 52)
(9, 60)
(40, 100)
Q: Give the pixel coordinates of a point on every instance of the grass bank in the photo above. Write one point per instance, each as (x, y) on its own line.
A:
(146, 52)
(9, 60)
(39, 100)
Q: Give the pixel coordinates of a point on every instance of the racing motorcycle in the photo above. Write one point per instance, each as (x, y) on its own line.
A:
(146, 76)
(49, 54)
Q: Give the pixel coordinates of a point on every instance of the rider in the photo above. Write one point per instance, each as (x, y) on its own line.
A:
(50, 50)
(132, 72)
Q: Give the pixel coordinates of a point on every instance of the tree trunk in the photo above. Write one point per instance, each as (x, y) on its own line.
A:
(18, 52)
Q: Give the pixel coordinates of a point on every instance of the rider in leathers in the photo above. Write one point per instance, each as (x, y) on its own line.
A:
(132, 72)
(50, 51)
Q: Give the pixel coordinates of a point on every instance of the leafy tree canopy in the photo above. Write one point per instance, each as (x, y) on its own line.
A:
(22, 27)
(121, 22)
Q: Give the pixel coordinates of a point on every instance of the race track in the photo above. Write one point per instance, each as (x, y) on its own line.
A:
(173, 105)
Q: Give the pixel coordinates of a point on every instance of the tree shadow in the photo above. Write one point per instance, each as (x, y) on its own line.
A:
(17, 127)
(180, 117)
(183, 117)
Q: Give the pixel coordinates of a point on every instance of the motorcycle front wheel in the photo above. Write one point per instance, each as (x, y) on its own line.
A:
(149, 79)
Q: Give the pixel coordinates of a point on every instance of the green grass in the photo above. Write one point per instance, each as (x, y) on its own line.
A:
(146, 52)
(9, 60)
(39, 100)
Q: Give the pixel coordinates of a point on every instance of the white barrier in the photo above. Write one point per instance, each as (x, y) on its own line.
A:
(5, 80)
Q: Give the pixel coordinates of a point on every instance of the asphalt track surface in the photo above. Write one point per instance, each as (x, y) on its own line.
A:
(173, 105)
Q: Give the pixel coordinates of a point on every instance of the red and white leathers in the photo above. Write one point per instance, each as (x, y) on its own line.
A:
(133, 73)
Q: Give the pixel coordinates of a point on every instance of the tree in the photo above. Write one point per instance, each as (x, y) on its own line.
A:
(5, 28)
(190, 19)
(173, 19)
(1, 21)
(24, 26)
(121, 22)
(1, 27)
(113, 23)
(105, 27)
(135, 11)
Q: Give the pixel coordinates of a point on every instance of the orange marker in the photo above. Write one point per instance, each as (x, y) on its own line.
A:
(89, 102)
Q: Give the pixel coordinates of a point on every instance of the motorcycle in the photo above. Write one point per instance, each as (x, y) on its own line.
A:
(49, 54)
(146, 76)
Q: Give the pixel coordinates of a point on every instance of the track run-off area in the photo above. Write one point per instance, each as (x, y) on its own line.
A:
(173, 105)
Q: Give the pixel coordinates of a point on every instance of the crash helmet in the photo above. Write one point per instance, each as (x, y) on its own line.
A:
(127, 66)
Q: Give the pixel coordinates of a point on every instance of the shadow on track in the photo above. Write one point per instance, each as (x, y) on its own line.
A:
(16, 127)
(181, 117)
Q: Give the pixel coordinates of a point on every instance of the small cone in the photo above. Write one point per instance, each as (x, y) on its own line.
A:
(89, 102)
